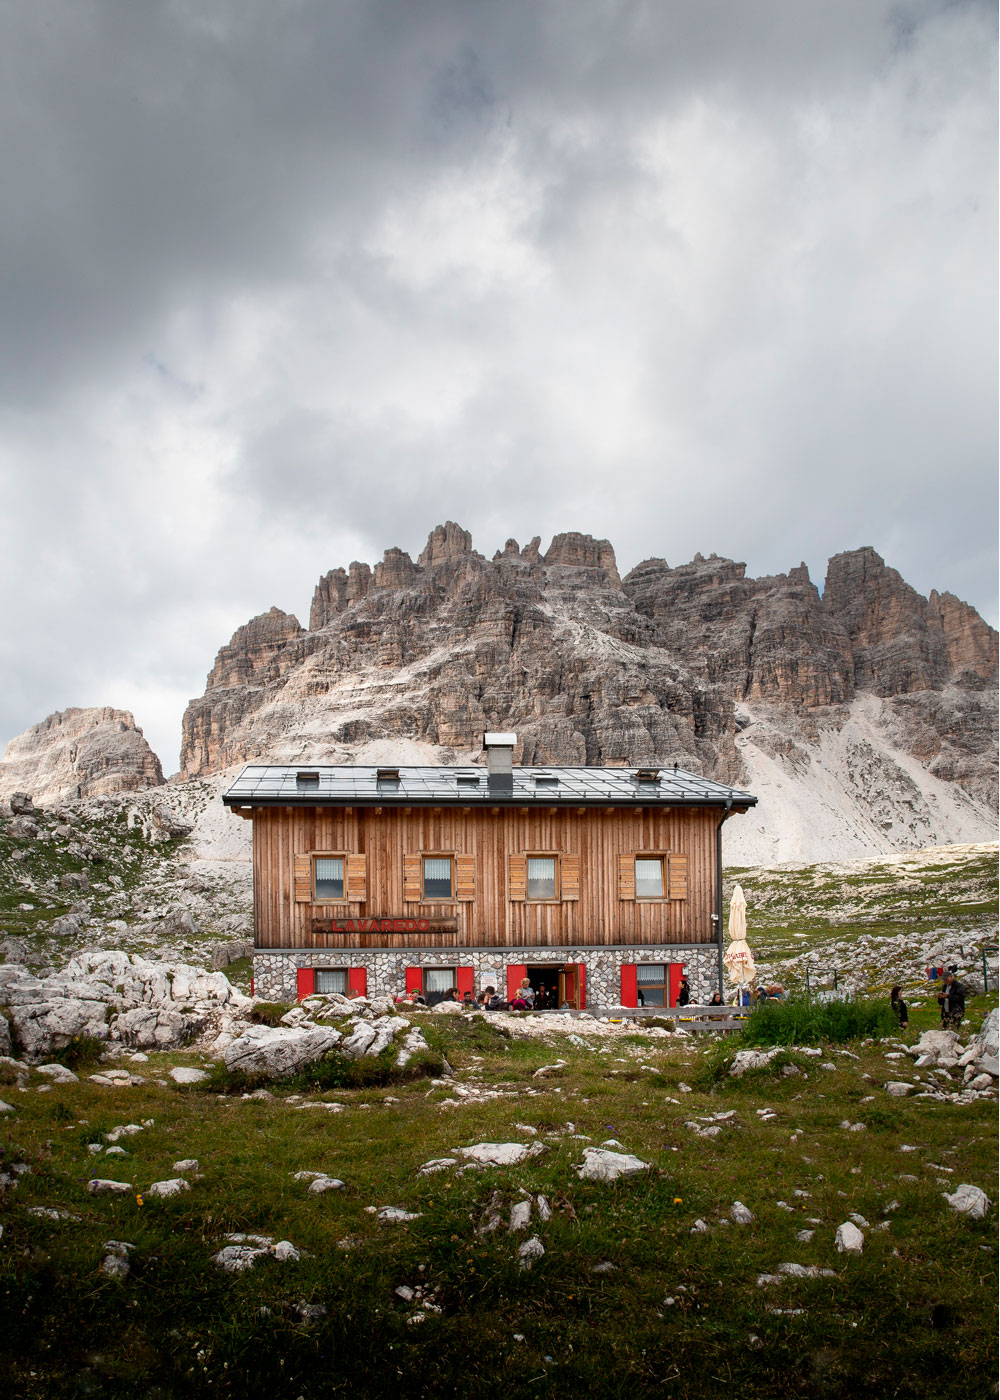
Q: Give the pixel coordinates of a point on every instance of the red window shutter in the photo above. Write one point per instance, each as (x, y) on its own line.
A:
(357, 981)
(630, 985)
(675, 972)
(414, 979)
(582, 986)
(515, 971)
(465, 980)
(305, 982)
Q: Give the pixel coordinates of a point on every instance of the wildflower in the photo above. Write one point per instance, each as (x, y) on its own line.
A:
(138, 1200)
(678, 1200)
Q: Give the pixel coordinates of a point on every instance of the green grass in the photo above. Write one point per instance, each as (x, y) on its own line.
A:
(813, 1022)
(906, 1319)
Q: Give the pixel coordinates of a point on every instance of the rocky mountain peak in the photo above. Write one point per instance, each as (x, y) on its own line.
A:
(79, 753)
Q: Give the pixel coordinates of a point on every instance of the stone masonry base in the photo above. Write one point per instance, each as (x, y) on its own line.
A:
(275, 970)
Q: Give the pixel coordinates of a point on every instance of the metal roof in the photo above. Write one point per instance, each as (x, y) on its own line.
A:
(319, 785)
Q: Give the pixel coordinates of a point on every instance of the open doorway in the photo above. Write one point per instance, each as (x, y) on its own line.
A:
(556, 985)
(546, 986)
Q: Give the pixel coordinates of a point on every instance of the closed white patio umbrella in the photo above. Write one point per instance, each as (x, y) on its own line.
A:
(738, 957)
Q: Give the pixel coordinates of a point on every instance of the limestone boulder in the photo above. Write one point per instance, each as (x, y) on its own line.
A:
(599, 1164)
(41, 1026)
(277, 1052)
(155, 1028)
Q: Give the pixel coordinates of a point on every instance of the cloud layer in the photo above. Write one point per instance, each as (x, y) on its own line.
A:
(284, 285)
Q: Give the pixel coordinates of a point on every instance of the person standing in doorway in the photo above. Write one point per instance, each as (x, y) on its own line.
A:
(684, 992)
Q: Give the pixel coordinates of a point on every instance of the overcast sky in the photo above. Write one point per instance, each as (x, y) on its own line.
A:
(285, 282)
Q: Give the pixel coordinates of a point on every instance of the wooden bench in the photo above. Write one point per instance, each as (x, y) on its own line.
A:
(694, 1018)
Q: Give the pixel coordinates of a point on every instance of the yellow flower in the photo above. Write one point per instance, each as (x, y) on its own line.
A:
(678, 1201)
(138, 1200)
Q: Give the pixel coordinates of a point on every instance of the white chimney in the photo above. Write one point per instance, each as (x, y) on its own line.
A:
(499, 761)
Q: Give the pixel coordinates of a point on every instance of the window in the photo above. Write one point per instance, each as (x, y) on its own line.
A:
(437, 877)
(329, 877)
(652, 984)
(331, 979)
(542, 877)
(649, 877)
(307, 782)
(438, 983)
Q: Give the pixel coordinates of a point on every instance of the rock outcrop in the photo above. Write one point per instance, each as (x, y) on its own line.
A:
(79, 753)
(869, 693)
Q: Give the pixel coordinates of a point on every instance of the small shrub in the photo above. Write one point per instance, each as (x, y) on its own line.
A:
(812, 1022)
(269, 1013)
(82, 1050)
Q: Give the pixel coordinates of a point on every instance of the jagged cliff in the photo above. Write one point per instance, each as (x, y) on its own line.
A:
(79, 753)
(880, 698)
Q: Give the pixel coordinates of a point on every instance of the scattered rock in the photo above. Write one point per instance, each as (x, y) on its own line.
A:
(898, 1088)
(499, 1154)
(529, 1251)
(183, 1074)
(520, 1216)
(101, 1187)
(849, 1239)
(601, 1165)
(321, 1184)
(969, 1200)
(740, 1214)
(173, 1187)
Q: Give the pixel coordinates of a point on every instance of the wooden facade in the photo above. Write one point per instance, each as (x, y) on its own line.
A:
(382, 846)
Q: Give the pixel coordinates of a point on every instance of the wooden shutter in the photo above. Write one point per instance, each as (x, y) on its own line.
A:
(581, 1001)
(626, 877)
(356, 877)
(305, 982)
(516, 972)
(517, 874)
(569, 873)
(630, 985)
(678, 877)
(465, 878)
(675, 971)
(303, 879)
(357, 980)
(465, 980)
(411, 879)
(414, 979)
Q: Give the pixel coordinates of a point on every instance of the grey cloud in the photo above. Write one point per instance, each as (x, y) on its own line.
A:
(282, 286)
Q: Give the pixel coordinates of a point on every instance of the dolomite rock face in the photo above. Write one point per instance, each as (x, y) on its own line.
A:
(868, 713)
(79, 753)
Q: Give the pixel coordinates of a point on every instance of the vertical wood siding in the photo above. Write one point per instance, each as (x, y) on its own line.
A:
(497, 914)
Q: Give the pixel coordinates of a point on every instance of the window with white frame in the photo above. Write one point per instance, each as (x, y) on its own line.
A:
(331, 979)
(328, 876)
(652, 982)
(649, 877)
(543, 877)
(438, 983)
(437, 877)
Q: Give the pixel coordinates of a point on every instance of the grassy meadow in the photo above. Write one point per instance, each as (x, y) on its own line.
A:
(626, 1299)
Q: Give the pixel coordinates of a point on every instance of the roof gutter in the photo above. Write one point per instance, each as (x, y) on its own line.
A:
(484, 799)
